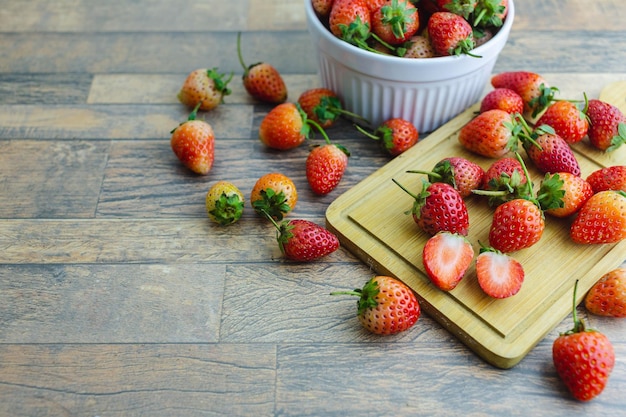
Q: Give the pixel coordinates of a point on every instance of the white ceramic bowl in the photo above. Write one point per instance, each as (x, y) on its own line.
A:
(426, 91)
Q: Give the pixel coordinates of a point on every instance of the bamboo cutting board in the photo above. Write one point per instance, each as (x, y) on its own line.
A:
(371, 221)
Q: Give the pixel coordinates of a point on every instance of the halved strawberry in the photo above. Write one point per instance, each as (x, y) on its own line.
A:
(446, 257)
(499, 275)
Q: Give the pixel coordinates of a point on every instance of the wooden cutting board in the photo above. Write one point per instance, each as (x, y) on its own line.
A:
(370, 221)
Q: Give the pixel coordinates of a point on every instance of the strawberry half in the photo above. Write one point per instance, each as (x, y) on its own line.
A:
(446, 257)
(499, 275)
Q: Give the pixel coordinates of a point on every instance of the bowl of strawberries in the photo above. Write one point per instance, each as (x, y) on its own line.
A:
(424, 61)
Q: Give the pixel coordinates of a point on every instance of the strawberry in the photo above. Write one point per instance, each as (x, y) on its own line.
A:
(274, 194)
(325, 166)
(304, 241)
(419, 47)
(516, 224)
(395, 21)
(505, 174)
(450, 34)
(532, 87)
(607, 125)
(350, 20)
(548, 151)
(193, 142)
(489, 13)
(492, 134)
(386, 305)
(261, 80)
(285, 127)
(499, 275)
(322, 7)
(396, 135)
(583, 358)
(204, 86)
(463, 174)
(608, 178)
(607, 297)
(323, 106)
(571, 190)
(224, 203)
(439, 207)
(503, 99)
(446, 257)
(567, 120)
(602, 219)
(463, 8)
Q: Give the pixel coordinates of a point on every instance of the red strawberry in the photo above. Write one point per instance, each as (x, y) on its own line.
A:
(274, 194)
(323, 106)
(204, 86)
(450, 34)
(492, 134)
(325, 166)
(608, 178)
(374, 5)
(439, 207)
(261, 80)
(350, 20)
(516, 224)
(285, 127)
(602, 219)
(549, 152)
(395, 21)
(224, 203)
(499, 275)
(463, 174)
(322, 7)
(396, 135)
(303, 241)
(193, 142)
(567, 120)
(583, 358)
(446, 257)
(607, 125)
(532, 87)
(386, 305)
(503, 99)
(419, 47)
(504, 180)
(607, 297)
(570, 190)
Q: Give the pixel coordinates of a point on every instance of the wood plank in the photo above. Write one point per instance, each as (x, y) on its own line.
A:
(122, 380)
(44, 88)
(154, 303)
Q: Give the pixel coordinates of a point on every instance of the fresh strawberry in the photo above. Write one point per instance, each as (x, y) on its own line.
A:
(205, 86)
(607, 125)
(608, 178)
(504, 180)
(489, 13)
(304, 241)
(532, 87)
(548, 151)
(285, 127)
(446, 257)
(419, 47)
(224, 203)
(602, 219)
(386, 305)
(567, 119)
(438, 208)
(274, 194)
(323, 106)
(503, 99)
(325, 166)
(463, 174)
(516, 224)
(570, 190)
(395, 21)
(322, 7)
(261, 80)
(583, 358)
(492, 134)
(395, 135)
(499, 275)
(350, 20)
(193, 142)
(450, 34)
(607, 297)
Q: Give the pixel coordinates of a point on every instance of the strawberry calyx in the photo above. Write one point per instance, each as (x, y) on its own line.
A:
(543, 100)
(228, 208)
(192, 116)
(619, 139)
(487, 13)
(221, 84)
(463, 8)
(419, 199)
(283, 230)
(367, 295)
(443, 171)
(330, 109)
(397, 16)
(551, 193)
(272, 204)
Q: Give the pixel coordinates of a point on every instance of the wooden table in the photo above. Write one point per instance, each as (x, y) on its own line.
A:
(118, 297)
